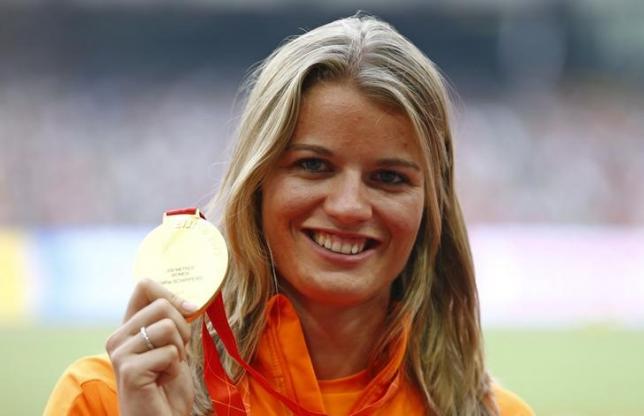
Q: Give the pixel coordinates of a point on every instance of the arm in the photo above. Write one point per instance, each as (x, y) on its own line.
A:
(86, 388)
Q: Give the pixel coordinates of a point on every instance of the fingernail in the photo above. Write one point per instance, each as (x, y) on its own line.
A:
(189, 307)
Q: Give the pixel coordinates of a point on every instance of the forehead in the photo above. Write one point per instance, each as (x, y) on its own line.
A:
(338, 113)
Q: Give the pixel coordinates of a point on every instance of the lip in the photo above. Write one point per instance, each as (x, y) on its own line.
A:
(339, 258)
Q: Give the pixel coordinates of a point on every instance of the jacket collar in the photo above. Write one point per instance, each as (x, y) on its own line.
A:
(283, 357)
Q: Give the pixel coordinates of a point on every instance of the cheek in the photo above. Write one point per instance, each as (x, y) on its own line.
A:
(285, 201)
(404, 222)
(284, 204)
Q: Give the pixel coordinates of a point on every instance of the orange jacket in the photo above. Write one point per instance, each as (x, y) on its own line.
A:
(88, 387)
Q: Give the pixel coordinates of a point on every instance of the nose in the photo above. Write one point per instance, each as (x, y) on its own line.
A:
(347, 201)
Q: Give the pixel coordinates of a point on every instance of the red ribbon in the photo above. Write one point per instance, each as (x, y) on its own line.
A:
(225, 397)
(223, 392)
(185, 211)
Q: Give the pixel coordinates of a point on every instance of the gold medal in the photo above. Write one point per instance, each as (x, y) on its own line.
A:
(187, 255)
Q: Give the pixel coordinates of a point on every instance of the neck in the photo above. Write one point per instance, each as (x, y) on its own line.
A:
(341, 338)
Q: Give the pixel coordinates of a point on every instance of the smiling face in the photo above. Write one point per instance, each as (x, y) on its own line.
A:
(342, 208)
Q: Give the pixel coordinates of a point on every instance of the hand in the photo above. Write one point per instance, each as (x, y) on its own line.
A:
(153, 381)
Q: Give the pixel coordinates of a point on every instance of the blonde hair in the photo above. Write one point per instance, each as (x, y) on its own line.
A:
(444, 357)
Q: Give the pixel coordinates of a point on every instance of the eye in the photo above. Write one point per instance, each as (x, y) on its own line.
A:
(313, 165)
(389, 177)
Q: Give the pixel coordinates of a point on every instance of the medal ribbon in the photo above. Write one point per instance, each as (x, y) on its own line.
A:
(186, 211)
(223, 392)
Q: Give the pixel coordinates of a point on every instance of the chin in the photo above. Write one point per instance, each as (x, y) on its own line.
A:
(341, 295)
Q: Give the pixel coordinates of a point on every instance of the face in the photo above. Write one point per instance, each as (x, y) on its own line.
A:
(342, 208)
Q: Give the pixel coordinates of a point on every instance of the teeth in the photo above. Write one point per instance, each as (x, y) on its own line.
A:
(337, 244)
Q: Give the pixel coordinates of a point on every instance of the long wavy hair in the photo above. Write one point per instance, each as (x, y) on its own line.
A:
(444, 357)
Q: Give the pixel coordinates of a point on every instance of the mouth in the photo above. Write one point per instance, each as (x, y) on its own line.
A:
(334, 243)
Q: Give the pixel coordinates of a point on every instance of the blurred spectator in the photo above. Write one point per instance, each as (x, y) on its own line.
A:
(113, 114)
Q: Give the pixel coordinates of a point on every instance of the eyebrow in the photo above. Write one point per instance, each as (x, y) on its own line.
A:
(310, 147)
(386, 162)
(393, 162)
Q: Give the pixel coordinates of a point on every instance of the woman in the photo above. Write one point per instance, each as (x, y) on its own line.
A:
(351, 286)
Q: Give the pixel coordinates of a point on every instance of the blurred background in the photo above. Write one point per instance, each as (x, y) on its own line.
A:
(114, 111)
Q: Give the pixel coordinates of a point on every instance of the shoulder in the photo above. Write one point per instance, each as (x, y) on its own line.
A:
(87, 387)
(509, 403)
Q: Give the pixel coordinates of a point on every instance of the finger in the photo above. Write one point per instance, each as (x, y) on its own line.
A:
(142, 369)
(147, 291)
(170, 372)
(158, 310)
(160, 334)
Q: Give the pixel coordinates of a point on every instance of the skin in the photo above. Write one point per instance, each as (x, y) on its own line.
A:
(351, 172)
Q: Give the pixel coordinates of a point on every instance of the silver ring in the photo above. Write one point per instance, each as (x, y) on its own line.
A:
(146, 338)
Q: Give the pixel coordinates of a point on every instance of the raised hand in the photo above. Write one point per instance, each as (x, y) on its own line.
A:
(148, 353)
